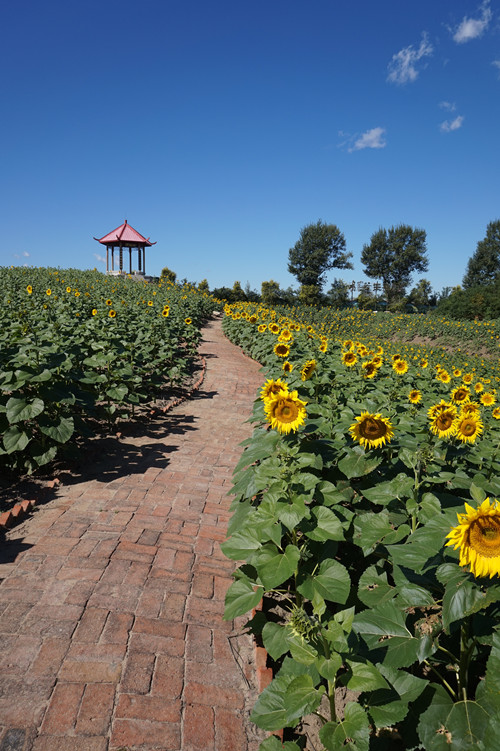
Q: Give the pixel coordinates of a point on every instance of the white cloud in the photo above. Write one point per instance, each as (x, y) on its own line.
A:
(472, 28)
(449, 106)
(450, 125)
(372, 139)
(402, 66)
(496, 63)
(26, 254)
(99, 258)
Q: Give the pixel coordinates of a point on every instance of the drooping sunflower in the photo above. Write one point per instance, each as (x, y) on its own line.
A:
(460, 394)
(271, 388)
(496, 413)
(285, 411)
(487, 398)
(369, 369)
(477, 535)
(442, 406)
(261, 328)
(423, 363)
(371, 430)
(308, 369)
(323, 347)
(348, 344)
(470, 408)
(349, 359)
(415, 396)
(281, 349)
(378, 361)
(444, 425)
(400, 366)
(468, 428)
(287, 367)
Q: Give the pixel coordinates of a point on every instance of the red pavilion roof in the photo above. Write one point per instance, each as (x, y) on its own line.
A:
(125, 234)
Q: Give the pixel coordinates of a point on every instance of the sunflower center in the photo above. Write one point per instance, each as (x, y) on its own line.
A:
(444, 421)
(286, 411)
(468, 427)
(485, 536)
(371, 428)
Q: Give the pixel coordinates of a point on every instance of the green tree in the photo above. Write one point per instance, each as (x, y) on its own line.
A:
(168, 274)
(320, 247)
(270, 293)
(484, 266)
(238, 292)
(393, 255)
(309, 294)
(422, 295)
(338, 294)
(203, 286)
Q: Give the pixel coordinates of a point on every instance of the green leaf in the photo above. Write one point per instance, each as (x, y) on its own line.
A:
(274, 567)
(284, 701)
(374, 588)
(20, 409)
(60, 429)
(365, 677)
(357, 464)
(444, 725)
(329, 667)
(370, 528)
(352, 734)
(328, 525)
(464, 597)
(275, 639)
(477, 493)
(117, 393)
(332, 582)
(241, 545)
(15, 439)
(302, 698)
(240, 598)
(301, 650)
(274, 744)
(290, 513)
(386, 620)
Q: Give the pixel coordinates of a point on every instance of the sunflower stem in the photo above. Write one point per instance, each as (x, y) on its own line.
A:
(465, 653)
(445, 683)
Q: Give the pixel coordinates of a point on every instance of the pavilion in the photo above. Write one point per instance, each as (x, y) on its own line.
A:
(121, 238)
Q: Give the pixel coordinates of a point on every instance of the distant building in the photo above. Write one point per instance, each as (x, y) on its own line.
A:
(121, 239)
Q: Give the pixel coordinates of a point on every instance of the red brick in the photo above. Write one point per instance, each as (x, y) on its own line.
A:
(72, 743)
(199, 644)
(159, 627)
(174, 606)
(198, 728)
(116, 630)
(138, 673)
(50, 657)
(168, 677)
(95, 709)
(229, 730)
(203, 586)
(91, 625)
(150, 643)
(213, 696)
(63, 709)
(91, 671)
(145, 734)
(148, 708)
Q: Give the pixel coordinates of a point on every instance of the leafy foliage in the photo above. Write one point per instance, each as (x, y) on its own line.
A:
(320, 247)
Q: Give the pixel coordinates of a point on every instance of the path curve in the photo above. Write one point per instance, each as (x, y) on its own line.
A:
(111, 630)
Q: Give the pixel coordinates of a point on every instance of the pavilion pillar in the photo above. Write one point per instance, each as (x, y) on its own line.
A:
(112, 258)
(107, 259)
(121, 258)
(130, 260)
(144, 260)
(139, 264)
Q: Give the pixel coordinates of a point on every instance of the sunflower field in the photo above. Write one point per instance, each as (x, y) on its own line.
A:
(79, 347)
(365, 512)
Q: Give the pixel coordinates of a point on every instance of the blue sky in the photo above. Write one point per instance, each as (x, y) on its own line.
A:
(221, 129)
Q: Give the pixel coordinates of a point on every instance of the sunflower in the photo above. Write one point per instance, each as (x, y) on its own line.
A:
(423, 363)
(349, 359)
(488, 399)
(281, 349)
(348, 344)
(371, 430)
(323, 346)
(467, 379)
(443, 424)
(400, 366)
(150, 303)
(112, 313)
(285, 335)
(287, 367)
(444, 376)
(460, 395)
(308, 370)
(457, 372)
(68, 290)
(262, 327)
(108, 302)
(165, 312)
(285, 411)
(369, 369)
(478, 387)
(470, 408)
(48, 292)
(496, 413)
(274, 328)
(477, 534)
(414, 396)
(188, 321)
(94, 311)
(271, 388)
(253, 319)
(378, 361)
(29, 289)
(468, 427)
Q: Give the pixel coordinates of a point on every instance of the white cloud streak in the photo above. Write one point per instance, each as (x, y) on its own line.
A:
(448, 125)
(449, 106)
(402, 68)
(99, 258)
(496, 63)
(371, 139)
(472, 28)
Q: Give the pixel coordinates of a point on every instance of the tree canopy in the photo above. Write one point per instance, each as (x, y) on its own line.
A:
(320, 247)
(393, 255)
(484, 266)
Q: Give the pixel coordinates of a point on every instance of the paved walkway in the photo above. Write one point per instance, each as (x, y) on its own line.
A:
(111, 630)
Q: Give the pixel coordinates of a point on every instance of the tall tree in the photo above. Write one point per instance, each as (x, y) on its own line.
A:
(320, 247)
(484, 266)
(393, 255)
(270, 293)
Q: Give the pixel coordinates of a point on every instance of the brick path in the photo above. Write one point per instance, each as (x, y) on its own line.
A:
(111, 630)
